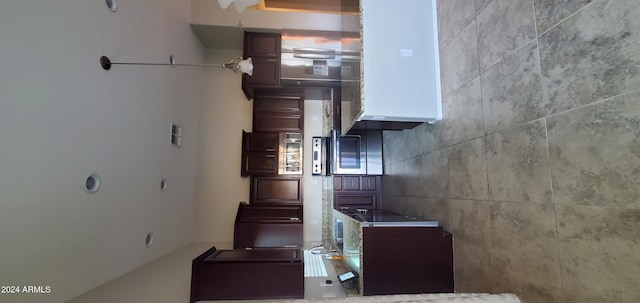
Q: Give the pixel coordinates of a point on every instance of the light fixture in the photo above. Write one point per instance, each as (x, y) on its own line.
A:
(237, 65)
(240, 5)
(240, 66)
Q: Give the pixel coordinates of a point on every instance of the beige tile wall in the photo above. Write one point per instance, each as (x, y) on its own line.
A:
(535, 168)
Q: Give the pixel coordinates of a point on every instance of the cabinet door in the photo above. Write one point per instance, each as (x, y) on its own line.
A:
(262, 45)
(259, 154)
(276, 190)
(351, 183)
(260, 164)
(266, 73)
(278, 113)
(264, 50)
(369, 183)
(260, 142)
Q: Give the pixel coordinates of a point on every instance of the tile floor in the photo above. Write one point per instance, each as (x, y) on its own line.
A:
(536, 165)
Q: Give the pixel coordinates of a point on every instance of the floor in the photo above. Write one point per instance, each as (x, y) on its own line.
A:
(167, 280)
(535, 168)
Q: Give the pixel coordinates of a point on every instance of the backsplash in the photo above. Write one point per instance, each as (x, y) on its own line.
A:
(534, 168)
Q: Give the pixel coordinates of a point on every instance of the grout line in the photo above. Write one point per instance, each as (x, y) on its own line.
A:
(566, 18)
(555, 207)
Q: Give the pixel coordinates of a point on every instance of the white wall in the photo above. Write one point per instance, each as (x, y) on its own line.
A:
(312, 187)
(62, 118)
(225, 113)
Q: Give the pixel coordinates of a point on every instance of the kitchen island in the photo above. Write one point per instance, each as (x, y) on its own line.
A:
(399, 83)
(394, 254)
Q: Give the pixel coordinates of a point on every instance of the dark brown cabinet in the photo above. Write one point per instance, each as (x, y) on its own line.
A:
(268, 226)
(240, 274)
(357, 191)
(419, 261)
(264, 50)
(278, 113)
(259, 154)
(282, 190)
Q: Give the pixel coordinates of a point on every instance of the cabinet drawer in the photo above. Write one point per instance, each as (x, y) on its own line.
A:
(355, 200)
(286, 104)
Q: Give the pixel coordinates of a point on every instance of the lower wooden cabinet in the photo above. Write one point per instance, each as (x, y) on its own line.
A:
(276, 190)
(419, 261)
(268, 226)
(357, 191)
(240, 274)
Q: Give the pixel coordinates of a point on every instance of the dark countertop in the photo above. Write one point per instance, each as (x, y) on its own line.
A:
(376, 217)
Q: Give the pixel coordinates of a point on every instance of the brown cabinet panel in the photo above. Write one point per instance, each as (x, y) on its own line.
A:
(262, 44)
(271, 213)
(266, 73)
(351, 183)
(257, 274)
(287, 104)
(259, 154)
(276, 190)
(271, 122)
(369, 182)
(422, 260)
(354, 200)
(337, 183)
(259, 163)
(275, 113)
(357, 191)
(261, 142)
(264, 50)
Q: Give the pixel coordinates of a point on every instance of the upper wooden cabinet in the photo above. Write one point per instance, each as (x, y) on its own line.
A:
(264, 50)
(278, 113)
(259, 154)
(262, 45)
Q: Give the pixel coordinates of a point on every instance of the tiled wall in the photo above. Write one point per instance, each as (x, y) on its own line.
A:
(536, 167)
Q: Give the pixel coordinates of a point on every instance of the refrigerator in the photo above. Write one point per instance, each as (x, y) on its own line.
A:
(320, 57)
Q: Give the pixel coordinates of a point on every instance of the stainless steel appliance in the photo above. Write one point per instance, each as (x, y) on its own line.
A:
(316, 57)
(320, 165)
(290, 154)
(359, 153)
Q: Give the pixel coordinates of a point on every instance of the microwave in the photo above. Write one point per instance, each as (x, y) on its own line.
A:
(358, 153)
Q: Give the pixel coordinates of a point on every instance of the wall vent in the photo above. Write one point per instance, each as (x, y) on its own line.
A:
(176, 135)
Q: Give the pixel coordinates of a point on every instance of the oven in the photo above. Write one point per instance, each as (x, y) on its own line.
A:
(359, 153)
